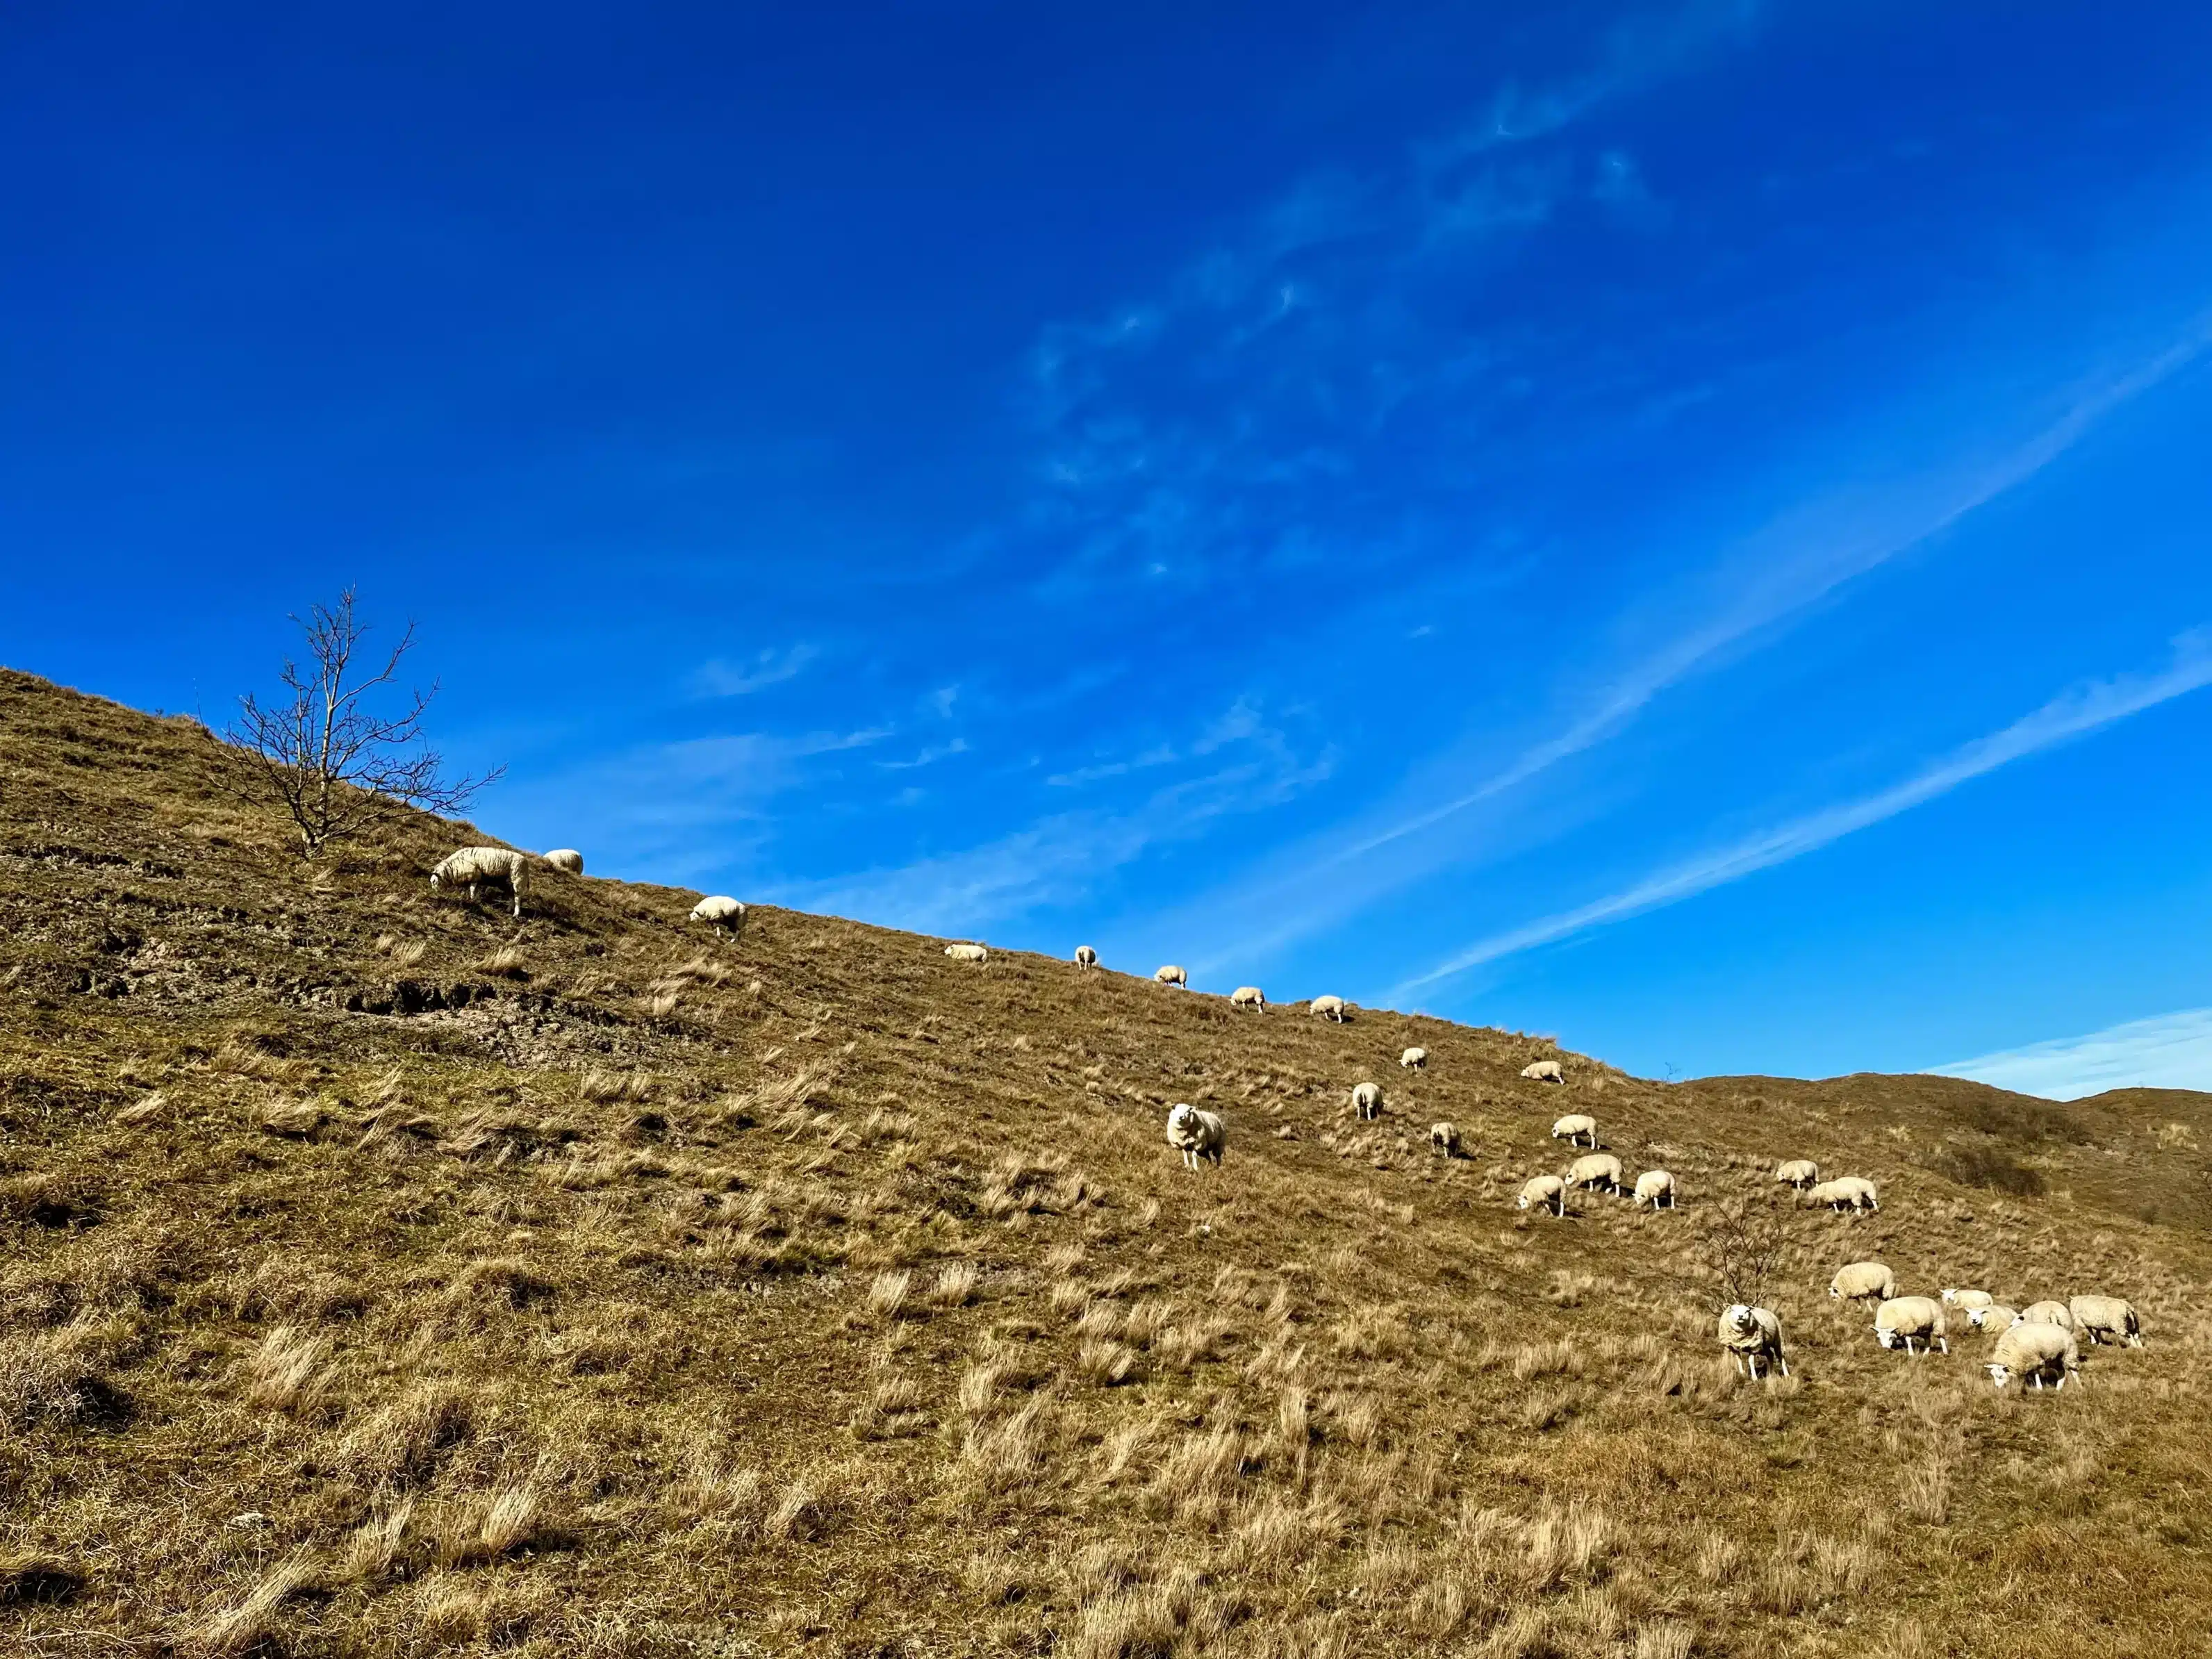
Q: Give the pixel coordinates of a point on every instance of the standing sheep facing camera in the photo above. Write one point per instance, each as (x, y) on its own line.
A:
(1414, 1059)
(472, 867)
(1862, 1280)
(1444, 1138)
(1248, 996)
(1328, 1008)
(1598, 1169)
(1172, 974)
(1544, 1193)
(1904, 1317)
(2098, 1317)
(1799, 1172)
(1085, 956)
(2035, 1350)
(1750, 1334)
(1367, 1099)
(722, 913)
(1658, 1186)
(568, 859)
(1573, 1127)
(1196, 1134)
(1544, 1070)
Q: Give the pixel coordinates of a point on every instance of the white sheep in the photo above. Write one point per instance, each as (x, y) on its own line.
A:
(1328, 1008)
(1247, 996)
(723, 914)
(1658, 1186)
(1414, 1059)
(568, 859)
(1799, 1172)
(1196, 1134)
(1750, 1334)
(1845, 1192)
(1172, 974)
(2098, 1317)
(968, 953)
(1597, 1170)
(1996, 1317)
(472, 867)
(2047, 1313)
(1545, 1192)
(1544, 1070)
(1444, 1138)
(2037, 1350)
(1863, 1280)
(1574, 1126)
(1901, 1318)
(1966, 1301)
(1085, 956)
(1367, 1099)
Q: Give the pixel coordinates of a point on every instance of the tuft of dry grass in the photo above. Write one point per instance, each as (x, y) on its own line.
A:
(249, 1623)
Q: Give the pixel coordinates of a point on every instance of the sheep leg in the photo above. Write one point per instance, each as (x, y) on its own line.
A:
(1946, 1341)
(1785, 1364)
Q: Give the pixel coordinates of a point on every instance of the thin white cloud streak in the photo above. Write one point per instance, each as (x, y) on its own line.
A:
(2071, 714)
(718, 678)
(2166, 1051)
(1778, 591)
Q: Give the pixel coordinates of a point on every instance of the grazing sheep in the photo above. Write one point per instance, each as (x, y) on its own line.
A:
(1995, 1318)
(1658, 1186)
(1750, 1334)
(1172, 974)
(1598, 1169)
(1367, 1099)
(1414, 1059)
(472, 867)
(2037, 1350)
(1966, 1301)
(1196, 1134)
(1845, 1192)
(1444, 1138)
(726, 915)
(1544, 1193)
(1545, 1070)
(1329, 1007)
(1085, 956)
(2047, 1313)
(1247, 996)
(2100, 1316)
(1863, 1280)
(1573, 1127)
(968, 953)
(1904, 1317)
(568, 859)
(1799, 1172)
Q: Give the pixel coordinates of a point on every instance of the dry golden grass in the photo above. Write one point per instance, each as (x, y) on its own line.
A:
(806, 1294)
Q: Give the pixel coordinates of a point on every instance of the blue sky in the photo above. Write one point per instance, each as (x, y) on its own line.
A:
(1682, 526)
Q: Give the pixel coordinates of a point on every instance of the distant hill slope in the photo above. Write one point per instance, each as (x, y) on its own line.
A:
(380, 1275)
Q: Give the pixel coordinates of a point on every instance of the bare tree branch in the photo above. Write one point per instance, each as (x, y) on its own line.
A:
(337, 768)
(1735, 1254)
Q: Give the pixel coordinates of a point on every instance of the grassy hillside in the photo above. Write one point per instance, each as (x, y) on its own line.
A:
(381, 1276)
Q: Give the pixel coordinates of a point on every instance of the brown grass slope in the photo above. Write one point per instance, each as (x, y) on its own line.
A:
(381, 1276)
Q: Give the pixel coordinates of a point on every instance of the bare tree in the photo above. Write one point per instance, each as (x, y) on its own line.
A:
(1735, 1255)
(335, 764)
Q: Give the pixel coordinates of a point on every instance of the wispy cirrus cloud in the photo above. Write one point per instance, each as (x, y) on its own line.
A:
(1779, 574)
(2071, 714)
(1062, 855)
(723, 678)
(2166, 1051)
